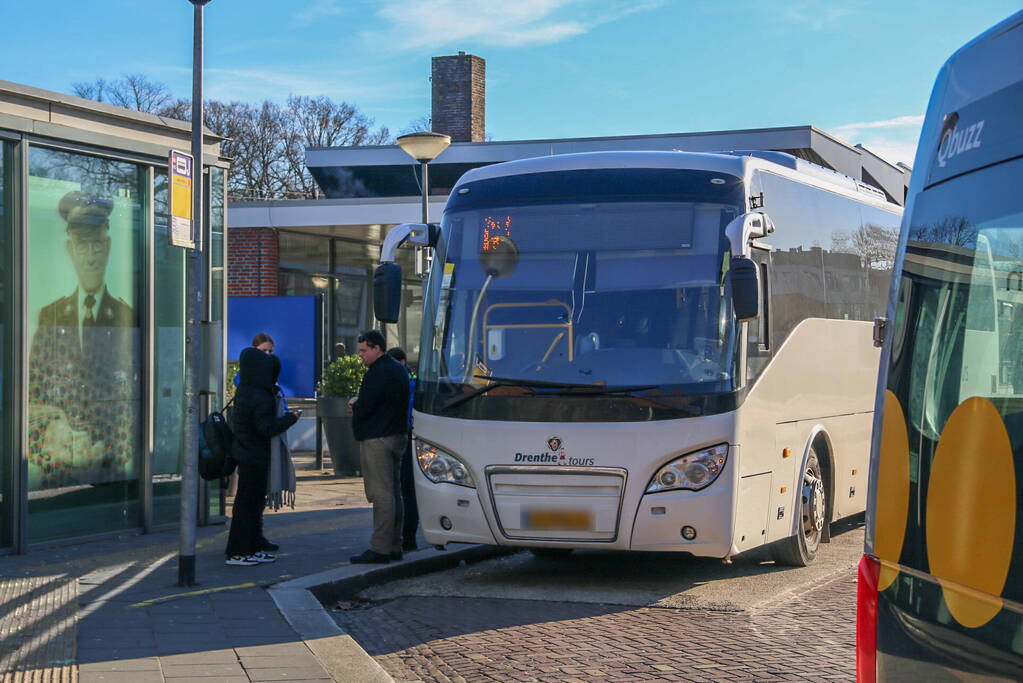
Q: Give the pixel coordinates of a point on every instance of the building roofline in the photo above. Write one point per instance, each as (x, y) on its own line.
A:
(329, 201)
(87, 105)
(489, 143)
(884, 161)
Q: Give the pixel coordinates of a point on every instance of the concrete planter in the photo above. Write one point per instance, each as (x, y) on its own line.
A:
(337, 424)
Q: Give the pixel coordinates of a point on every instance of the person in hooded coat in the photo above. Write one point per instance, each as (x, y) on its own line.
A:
(255, 424)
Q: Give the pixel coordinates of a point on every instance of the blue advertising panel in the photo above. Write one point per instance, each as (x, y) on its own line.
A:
(294, 324)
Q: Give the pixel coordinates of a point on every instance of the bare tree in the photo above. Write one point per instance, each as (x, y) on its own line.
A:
(90, 91)
(424, 124)
(876, 244)
(841, 243)
(322, 122)
(132, 91)
(955, 230)
(179, 109)
(266, 142)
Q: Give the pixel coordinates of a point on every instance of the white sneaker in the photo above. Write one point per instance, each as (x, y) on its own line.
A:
(241, 561)
(262, 556)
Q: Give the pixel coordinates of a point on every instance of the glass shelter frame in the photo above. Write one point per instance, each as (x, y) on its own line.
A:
(16, 149)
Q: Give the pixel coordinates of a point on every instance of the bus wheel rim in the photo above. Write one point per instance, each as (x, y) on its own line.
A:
(813, 508)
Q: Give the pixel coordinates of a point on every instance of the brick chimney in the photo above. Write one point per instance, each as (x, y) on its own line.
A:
(459, 97)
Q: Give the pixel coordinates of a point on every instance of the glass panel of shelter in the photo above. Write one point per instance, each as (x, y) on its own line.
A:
(216, 197)
(169, 358)
(7, 459)
(85, 217)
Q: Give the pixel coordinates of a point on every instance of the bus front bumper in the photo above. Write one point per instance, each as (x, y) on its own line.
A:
(661, 517)
(457, 516)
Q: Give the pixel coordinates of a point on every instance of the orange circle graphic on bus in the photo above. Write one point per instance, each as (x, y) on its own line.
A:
(892, 499)
(971, 511)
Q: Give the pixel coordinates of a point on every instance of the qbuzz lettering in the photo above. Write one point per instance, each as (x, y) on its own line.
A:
(958, 140)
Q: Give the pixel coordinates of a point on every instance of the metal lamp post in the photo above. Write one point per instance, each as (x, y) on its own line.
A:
(424, 148)
(194, 314)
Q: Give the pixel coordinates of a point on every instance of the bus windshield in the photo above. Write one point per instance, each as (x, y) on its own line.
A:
(961, 298)
(598, 293)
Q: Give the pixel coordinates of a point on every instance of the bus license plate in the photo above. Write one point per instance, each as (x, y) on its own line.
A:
(560, 520)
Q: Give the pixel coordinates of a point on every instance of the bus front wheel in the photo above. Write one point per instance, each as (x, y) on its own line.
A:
(801, 549)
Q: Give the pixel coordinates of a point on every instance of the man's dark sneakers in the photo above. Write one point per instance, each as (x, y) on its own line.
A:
(409, 544)
(395, 555)
(370, 557)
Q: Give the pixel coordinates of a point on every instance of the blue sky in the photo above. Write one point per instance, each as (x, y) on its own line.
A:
(859, 69)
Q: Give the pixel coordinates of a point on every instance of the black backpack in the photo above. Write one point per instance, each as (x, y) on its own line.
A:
(215, 439)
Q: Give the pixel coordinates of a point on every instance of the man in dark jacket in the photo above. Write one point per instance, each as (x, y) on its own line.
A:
(380, 425)
(254, 422)
(409, 509)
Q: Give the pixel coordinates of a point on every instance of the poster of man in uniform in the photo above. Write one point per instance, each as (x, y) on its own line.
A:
(84, 356)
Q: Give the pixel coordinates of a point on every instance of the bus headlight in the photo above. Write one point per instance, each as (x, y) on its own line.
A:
(692, 471)
(441, 467)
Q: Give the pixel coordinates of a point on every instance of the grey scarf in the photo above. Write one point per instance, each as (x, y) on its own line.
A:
(281, 485)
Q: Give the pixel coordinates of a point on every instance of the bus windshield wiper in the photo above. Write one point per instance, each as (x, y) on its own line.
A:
(479, 391)
(543, 384)
(560, 388)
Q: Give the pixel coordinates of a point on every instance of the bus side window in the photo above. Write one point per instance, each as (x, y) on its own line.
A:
(758, 334)
(765, 309)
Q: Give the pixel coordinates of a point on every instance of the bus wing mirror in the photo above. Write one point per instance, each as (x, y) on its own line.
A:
(387, 292)
(749, 226)
(419, 234)
(745, 289)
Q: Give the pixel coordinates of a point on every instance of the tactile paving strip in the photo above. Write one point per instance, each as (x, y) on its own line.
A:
(37, 629)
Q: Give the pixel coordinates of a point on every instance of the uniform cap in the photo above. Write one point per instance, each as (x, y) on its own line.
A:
(82, 210)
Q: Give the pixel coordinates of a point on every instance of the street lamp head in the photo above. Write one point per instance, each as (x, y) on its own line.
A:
(425, 146)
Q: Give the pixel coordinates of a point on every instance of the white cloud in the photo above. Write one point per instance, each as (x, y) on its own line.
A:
(317, 10)
(893, 140)
(255, 85)
(815, 15)
(436, 23)
(914, 121)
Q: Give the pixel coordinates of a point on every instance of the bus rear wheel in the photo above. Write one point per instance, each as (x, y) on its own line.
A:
(551, 553)
(800, 550)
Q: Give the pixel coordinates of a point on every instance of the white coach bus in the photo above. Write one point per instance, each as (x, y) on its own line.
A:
(661, 351)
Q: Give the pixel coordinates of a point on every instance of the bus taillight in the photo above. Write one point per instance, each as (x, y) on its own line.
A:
(866, 620)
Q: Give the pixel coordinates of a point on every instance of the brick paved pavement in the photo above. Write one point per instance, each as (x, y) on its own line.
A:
(109, 610)
(809, 636)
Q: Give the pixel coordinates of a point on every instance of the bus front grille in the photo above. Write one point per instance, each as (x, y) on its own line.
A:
(557, 503)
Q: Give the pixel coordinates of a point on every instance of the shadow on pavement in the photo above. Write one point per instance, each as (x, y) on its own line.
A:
(130, 612)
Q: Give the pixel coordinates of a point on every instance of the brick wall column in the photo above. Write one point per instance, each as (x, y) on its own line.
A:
(252, 262)
(460, 97)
